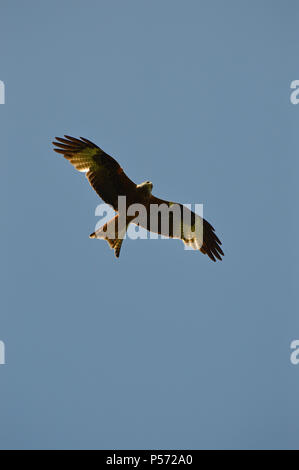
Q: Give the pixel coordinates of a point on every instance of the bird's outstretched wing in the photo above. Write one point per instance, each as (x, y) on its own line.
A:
(104, 173)
(185, 228)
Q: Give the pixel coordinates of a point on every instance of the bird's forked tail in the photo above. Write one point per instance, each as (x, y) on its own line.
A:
(113, 232)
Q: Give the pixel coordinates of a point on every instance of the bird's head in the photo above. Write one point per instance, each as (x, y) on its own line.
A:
(146, 187)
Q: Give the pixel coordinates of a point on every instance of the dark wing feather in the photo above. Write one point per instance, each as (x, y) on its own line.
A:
(208, 242)
(104, 173)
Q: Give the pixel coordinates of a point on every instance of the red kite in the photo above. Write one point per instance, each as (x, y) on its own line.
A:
(110, 182)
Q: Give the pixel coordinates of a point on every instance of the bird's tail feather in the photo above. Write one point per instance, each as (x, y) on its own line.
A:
(113, 232)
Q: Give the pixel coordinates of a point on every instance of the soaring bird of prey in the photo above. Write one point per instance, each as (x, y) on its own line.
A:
(110, 182)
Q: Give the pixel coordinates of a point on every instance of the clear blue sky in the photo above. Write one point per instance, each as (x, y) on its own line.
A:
(161, 348)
